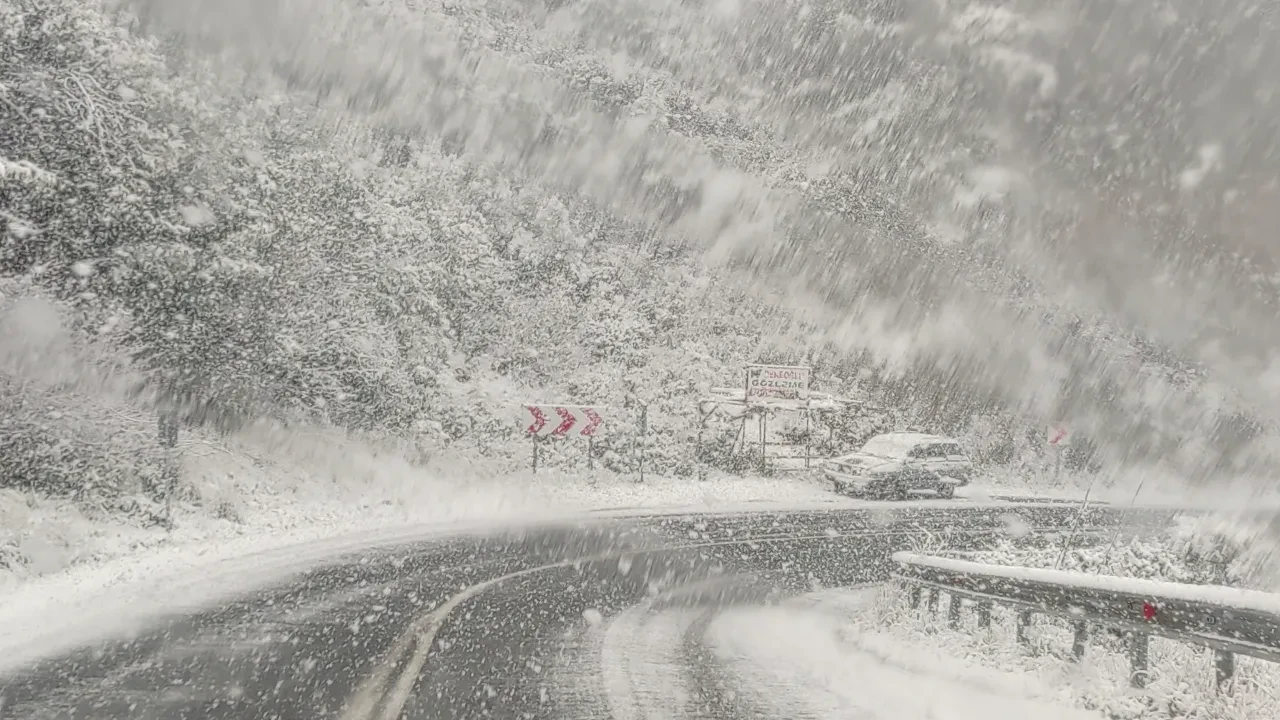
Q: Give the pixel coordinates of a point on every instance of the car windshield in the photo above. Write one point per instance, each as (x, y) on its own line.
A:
(464, 359)
(887, 446)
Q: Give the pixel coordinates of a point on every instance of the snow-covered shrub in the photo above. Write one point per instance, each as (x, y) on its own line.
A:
(1180, 555)
(65, 426)
(66, 443)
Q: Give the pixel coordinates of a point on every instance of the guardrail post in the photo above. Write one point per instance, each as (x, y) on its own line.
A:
(1224, 667)
(984, 615)
(1024, 622)
(1080, 641)
(1139, 659)
(1091, 609)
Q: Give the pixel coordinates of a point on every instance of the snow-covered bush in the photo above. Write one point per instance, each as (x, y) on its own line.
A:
(1189, 552)
(66, 427)
(72, 444)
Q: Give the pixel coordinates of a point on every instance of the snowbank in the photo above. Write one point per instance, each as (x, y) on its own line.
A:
(322, 482)
(115, 599)
(244, 497)
(800, 660)
(1196, 550)
(1139, 486)
(1224, 596)
(1181, 684)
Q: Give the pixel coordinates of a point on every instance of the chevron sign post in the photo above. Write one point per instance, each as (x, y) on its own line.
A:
(564, 421)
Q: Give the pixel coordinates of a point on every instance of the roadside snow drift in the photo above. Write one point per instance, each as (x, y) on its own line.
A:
(794, 661)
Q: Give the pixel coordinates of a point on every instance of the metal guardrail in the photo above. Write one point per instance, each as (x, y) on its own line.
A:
(1229, 621)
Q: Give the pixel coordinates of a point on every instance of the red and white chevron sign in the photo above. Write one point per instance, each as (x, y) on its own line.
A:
(564, 420)
(1058, 435)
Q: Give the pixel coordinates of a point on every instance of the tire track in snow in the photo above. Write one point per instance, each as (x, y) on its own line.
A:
(717, 696)
(653, 662)
(642, 668)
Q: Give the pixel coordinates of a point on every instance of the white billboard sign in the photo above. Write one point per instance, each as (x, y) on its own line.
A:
(777, 382)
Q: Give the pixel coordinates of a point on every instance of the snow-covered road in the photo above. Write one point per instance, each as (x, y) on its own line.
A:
(653, 617)
(796, 662)
(817, 656)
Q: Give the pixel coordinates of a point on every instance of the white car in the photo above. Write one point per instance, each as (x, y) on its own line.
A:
(896, 464)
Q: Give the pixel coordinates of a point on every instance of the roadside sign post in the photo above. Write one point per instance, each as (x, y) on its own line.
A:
(168, 431)
(1059, 437)
(765, 384)
(767, 391)
(807, 440)
(808, 425)
(704, 415)
(562, 421)
(644, 436)
(1070, 540)
(764, 439)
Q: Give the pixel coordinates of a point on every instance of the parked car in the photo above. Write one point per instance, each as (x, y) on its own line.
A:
(896, 464)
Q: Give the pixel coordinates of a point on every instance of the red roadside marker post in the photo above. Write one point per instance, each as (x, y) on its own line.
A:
(1059, 438)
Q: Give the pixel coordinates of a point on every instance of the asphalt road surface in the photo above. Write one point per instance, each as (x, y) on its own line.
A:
(496, 626)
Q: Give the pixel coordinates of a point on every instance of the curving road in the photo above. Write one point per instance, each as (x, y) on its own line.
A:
(503, 626)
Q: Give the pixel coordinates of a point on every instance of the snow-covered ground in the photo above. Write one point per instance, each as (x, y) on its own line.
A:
(820, 655)
(69, 573)
(1181, 684)
(820, 659)
(1194, 558)
(304, 501)
(58, 539)
(321, 486)
(860, 653)
(86, 575)
(116, 597)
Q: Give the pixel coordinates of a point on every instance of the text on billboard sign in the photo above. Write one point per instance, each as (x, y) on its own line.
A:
(777, 382)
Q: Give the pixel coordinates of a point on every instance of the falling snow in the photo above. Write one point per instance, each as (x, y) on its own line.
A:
(275, 273)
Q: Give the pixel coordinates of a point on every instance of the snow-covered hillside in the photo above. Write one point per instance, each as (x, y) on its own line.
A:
(384, 226)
